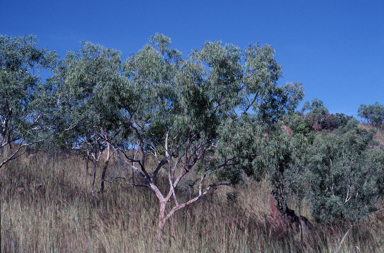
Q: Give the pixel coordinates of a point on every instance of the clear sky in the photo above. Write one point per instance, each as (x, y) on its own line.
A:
(334, 48)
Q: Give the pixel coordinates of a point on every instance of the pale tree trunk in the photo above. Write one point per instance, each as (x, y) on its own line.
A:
(160, 228)
(103, 178)
(104, 172)
(133, 170)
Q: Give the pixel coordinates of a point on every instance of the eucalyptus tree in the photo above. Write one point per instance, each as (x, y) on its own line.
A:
(373, 114)
(191, 114)
(340, 174)
(88, 81)
(345, 175)
(26, 100)
(317, 113)
(315, 104)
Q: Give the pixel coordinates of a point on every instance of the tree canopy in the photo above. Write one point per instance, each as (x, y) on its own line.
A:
(373, 114)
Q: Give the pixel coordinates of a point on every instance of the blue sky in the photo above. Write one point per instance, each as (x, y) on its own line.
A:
(334, 48)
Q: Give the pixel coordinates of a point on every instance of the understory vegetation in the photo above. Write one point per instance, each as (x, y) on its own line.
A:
(45, 210)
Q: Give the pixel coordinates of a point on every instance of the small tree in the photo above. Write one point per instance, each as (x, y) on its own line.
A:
(89, 81)
(345, 176)
(373, 114)
(191, 115)
(340, 174)
(26, 101)
(343, 119)
(317, 113)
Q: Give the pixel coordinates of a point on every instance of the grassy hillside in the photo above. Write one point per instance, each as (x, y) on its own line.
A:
(46, 207)
(379, 136)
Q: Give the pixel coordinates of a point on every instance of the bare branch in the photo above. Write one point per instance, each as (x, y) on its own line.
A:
(131, 165)
(12, 155)
(141, 185)
(166, 142)
(249, 106)
(154, 174)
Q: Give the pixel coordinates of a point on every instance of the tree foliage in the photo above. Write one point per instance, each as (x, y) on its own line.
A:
(373, 114)
(25, 99)
(340, 173)
(88, 81)
(345, 176)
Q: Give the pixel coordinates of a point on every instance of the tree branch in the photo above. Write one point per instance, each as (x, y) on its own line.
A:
(201, 194)
(141, 185)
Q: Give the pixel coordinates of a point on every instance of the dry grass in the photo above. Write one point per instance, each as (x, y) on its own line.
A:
(46, 207)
